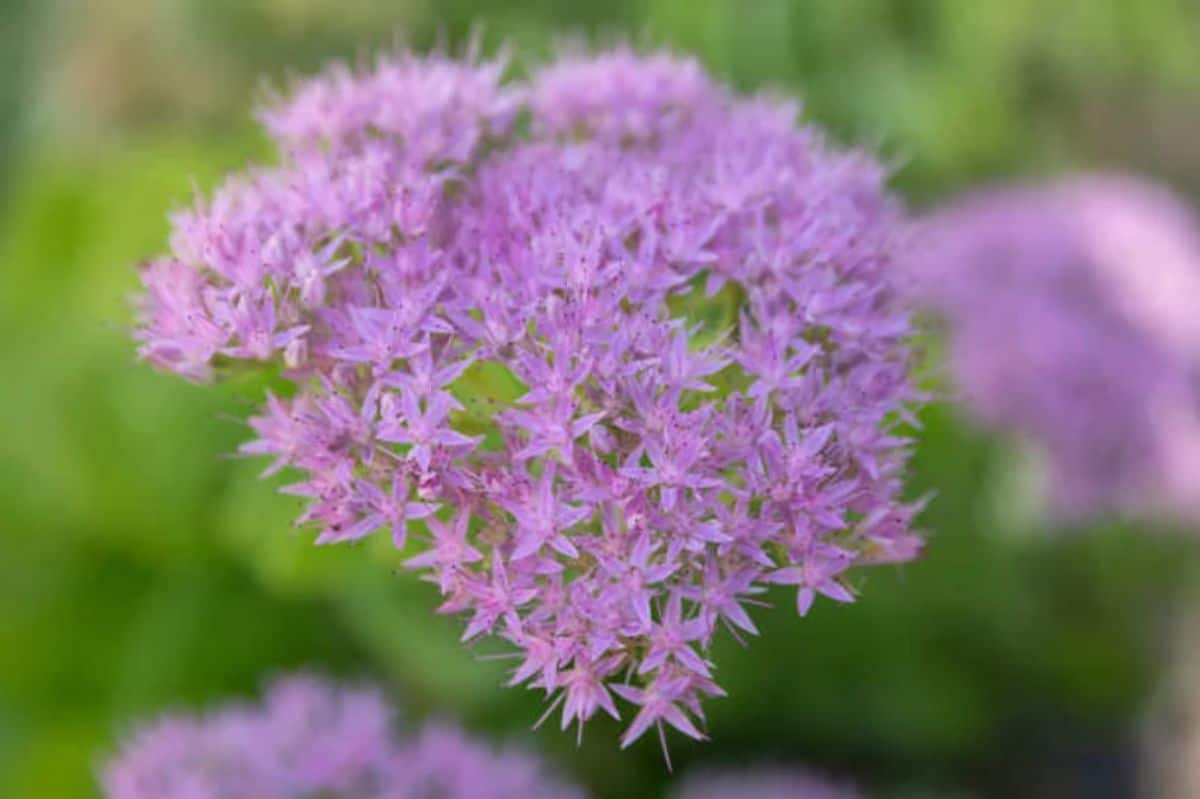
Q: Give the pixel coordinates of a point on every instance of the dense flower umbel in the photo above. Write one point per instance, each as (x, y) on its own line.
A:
(313, 738)
(1072, 316)
(618, 348)
(764, 784)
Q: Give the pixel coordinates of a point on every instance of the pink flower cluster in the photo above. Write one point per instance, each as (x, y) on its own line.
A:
(1072, 321)
(616, 348)
(314, 738)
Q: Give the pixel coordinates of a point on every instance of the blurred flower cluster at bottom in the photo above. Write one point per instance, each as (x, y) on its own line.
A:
(311, 737)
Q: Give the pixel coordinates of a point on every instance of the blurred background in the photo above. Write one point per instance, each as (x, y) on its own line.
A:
(141, 569)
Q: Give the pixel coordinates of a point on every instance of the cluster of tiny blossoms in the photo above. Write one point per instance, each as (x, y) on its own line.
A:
(314, 738)
(1072, 320)
(615, 348)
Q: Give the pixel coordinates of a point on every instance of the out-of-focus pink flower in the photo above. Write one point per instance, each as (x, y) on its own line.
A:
(1072, 320)
(313, 738)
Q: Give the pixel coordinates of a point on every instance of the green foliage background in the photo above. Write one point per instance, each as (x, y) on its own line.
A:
(140, 568)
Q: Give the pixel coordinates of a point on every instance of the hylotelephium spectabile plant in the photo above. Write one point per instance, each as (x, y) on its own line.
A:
(690, 297)
(1071, 315)
(310, 737)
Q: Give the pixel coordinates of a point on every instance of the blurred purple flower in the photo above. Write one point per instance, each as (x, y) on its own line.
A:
(313, 738)
(691, 296)
(1072, 320)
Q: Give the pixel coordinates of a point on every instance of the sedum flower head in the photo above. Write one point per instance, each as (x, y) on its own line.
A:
(608, 352)
(313, 738)
(1071, 317)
